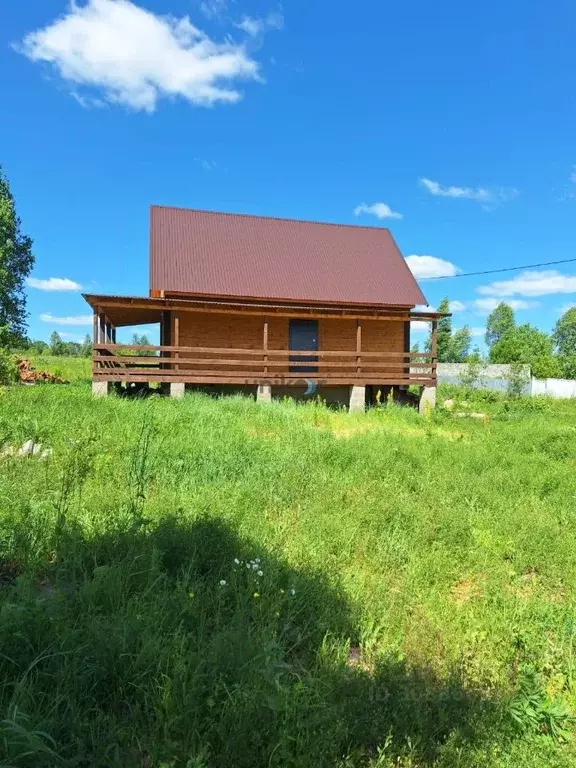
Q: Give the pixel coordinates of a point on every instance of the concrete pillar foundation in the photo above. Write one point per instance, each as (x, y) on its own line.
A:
(177, 389)
(264, 393)
(427, 399)
(357, 399)
(100, 388)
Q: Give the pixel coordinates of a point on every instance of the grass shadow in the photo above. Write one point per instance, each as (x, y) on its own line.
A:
(183, 644)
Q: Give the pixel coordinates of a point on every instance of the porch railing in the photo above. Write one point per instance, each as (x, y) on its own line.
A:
(123, 362)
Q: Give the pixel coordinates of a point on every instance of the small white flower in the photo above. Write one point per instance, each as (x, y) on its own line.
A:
(260, 573)
(254, 566)
(237, 561)
(257, 560)
(222, 582)
(247, 565)
(292, 591)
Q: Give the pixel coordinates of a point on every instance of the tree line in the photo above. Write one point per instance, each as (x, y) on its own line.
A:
(57, 347)
(548, 355)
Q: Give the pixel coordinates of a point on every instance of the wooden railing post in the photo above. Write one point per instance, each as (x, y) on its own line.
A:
(358, 346)
(265, 344)
(176, 338)
(434, 347)
(102, 328)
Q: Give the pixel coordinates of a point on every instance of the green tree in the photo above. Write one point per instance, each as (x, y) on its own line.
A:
(530, 346)
(444, 333)
(57, 346)
(459, 346)
(38, 347)
(568, 363)
(16, 262)
(564, 335)
(86, 347)
(500, 322)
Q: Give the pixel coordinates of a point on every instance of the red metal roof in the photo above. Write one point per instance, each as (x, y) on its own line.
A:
(223, 254)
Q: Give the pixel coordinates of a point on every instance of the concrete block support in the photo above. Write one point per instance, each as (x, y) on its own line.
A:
(357, 399)
(100, 388)
(427, 399)
(264, 393)
(177, 389)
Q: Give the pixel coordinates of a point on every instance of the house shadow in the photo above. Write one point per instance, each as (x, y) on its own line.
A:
(185, 644)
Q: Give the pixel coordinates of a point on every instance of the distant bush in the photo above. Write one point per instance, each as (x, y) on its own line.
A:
(8, 373)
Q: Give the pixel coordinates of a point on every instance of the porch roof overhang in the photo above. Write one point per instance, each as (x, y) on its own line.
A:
(140, 310)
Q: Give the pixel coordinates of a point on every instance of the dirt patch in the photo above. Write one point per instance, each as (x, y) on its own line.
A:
(465, 590)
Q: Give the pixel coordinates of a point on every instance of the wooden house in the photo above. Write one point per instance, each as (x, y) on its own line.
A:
(269, 306)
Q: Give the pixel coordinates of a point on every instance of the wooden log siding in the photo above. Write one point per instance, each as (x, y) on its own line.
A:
(252, 349)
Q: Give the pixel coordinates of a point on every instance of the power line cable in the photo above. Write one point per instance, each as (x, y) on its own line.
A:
(494, 271)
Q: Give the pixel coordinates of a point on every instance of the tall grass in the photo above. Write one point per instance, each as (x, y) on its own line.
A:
(217, 583)
(69, 368)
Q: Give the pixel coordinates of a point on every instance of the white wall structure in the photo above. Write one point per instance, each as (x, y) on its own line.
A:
(497, 377)
(489, 376)
(554, 387)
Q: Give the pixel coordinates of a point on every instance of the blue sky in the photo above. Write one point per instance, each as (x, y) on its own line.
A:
(452, 123)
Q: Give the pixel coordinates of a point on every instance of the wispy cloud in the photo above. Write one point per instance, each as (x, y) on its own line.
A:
(53, 284)
(46, 317)
(457, 306)
(485, 306)
(214, 9)
(477, 331)
(566, 307)
(71, 336)
(206, 165)
(532, 283)
(133, 57)
(256, 26)
(478, 194)
(380, 210)
(430, 266)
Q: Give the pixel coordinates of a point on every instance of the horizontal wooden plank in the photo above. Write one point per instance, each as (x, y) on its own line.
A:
(170, 374)
(256, 378)
(251, 352)
(168, 363)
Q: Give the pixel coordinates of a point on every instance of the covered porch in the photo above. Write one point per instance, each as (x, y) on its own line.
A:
(261, 358)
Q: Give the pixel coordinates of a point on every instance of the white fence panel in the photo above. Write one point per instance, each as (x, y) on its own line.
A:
(554, 387)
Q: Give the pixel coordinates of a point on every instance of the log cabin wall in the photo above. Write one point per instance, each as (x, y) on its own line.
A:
(247, 332)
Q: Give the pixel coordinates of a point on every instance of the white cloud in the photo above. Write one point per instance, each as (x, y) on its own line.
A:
(476, 331)
(46, 317)
(380, 210)
(566, 307)
(430, 266)
(424, 308)
(457, 306)
(214, 9)
(420, 326)
(133, 57)
(532, 283)
(485, 306)
(478, 194)
(71, 336)
(53, 284)
(257, 26)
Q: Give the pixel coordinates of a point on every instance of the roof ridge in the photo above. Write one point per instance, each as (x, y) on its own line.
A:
(271, 218)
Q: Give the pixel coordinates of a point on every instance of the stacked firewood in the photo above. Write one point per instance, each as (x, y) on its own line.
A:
(27, 374)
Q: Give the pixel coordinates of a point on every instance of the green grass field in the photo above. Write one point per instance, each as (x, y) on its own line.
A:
(209, 582)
